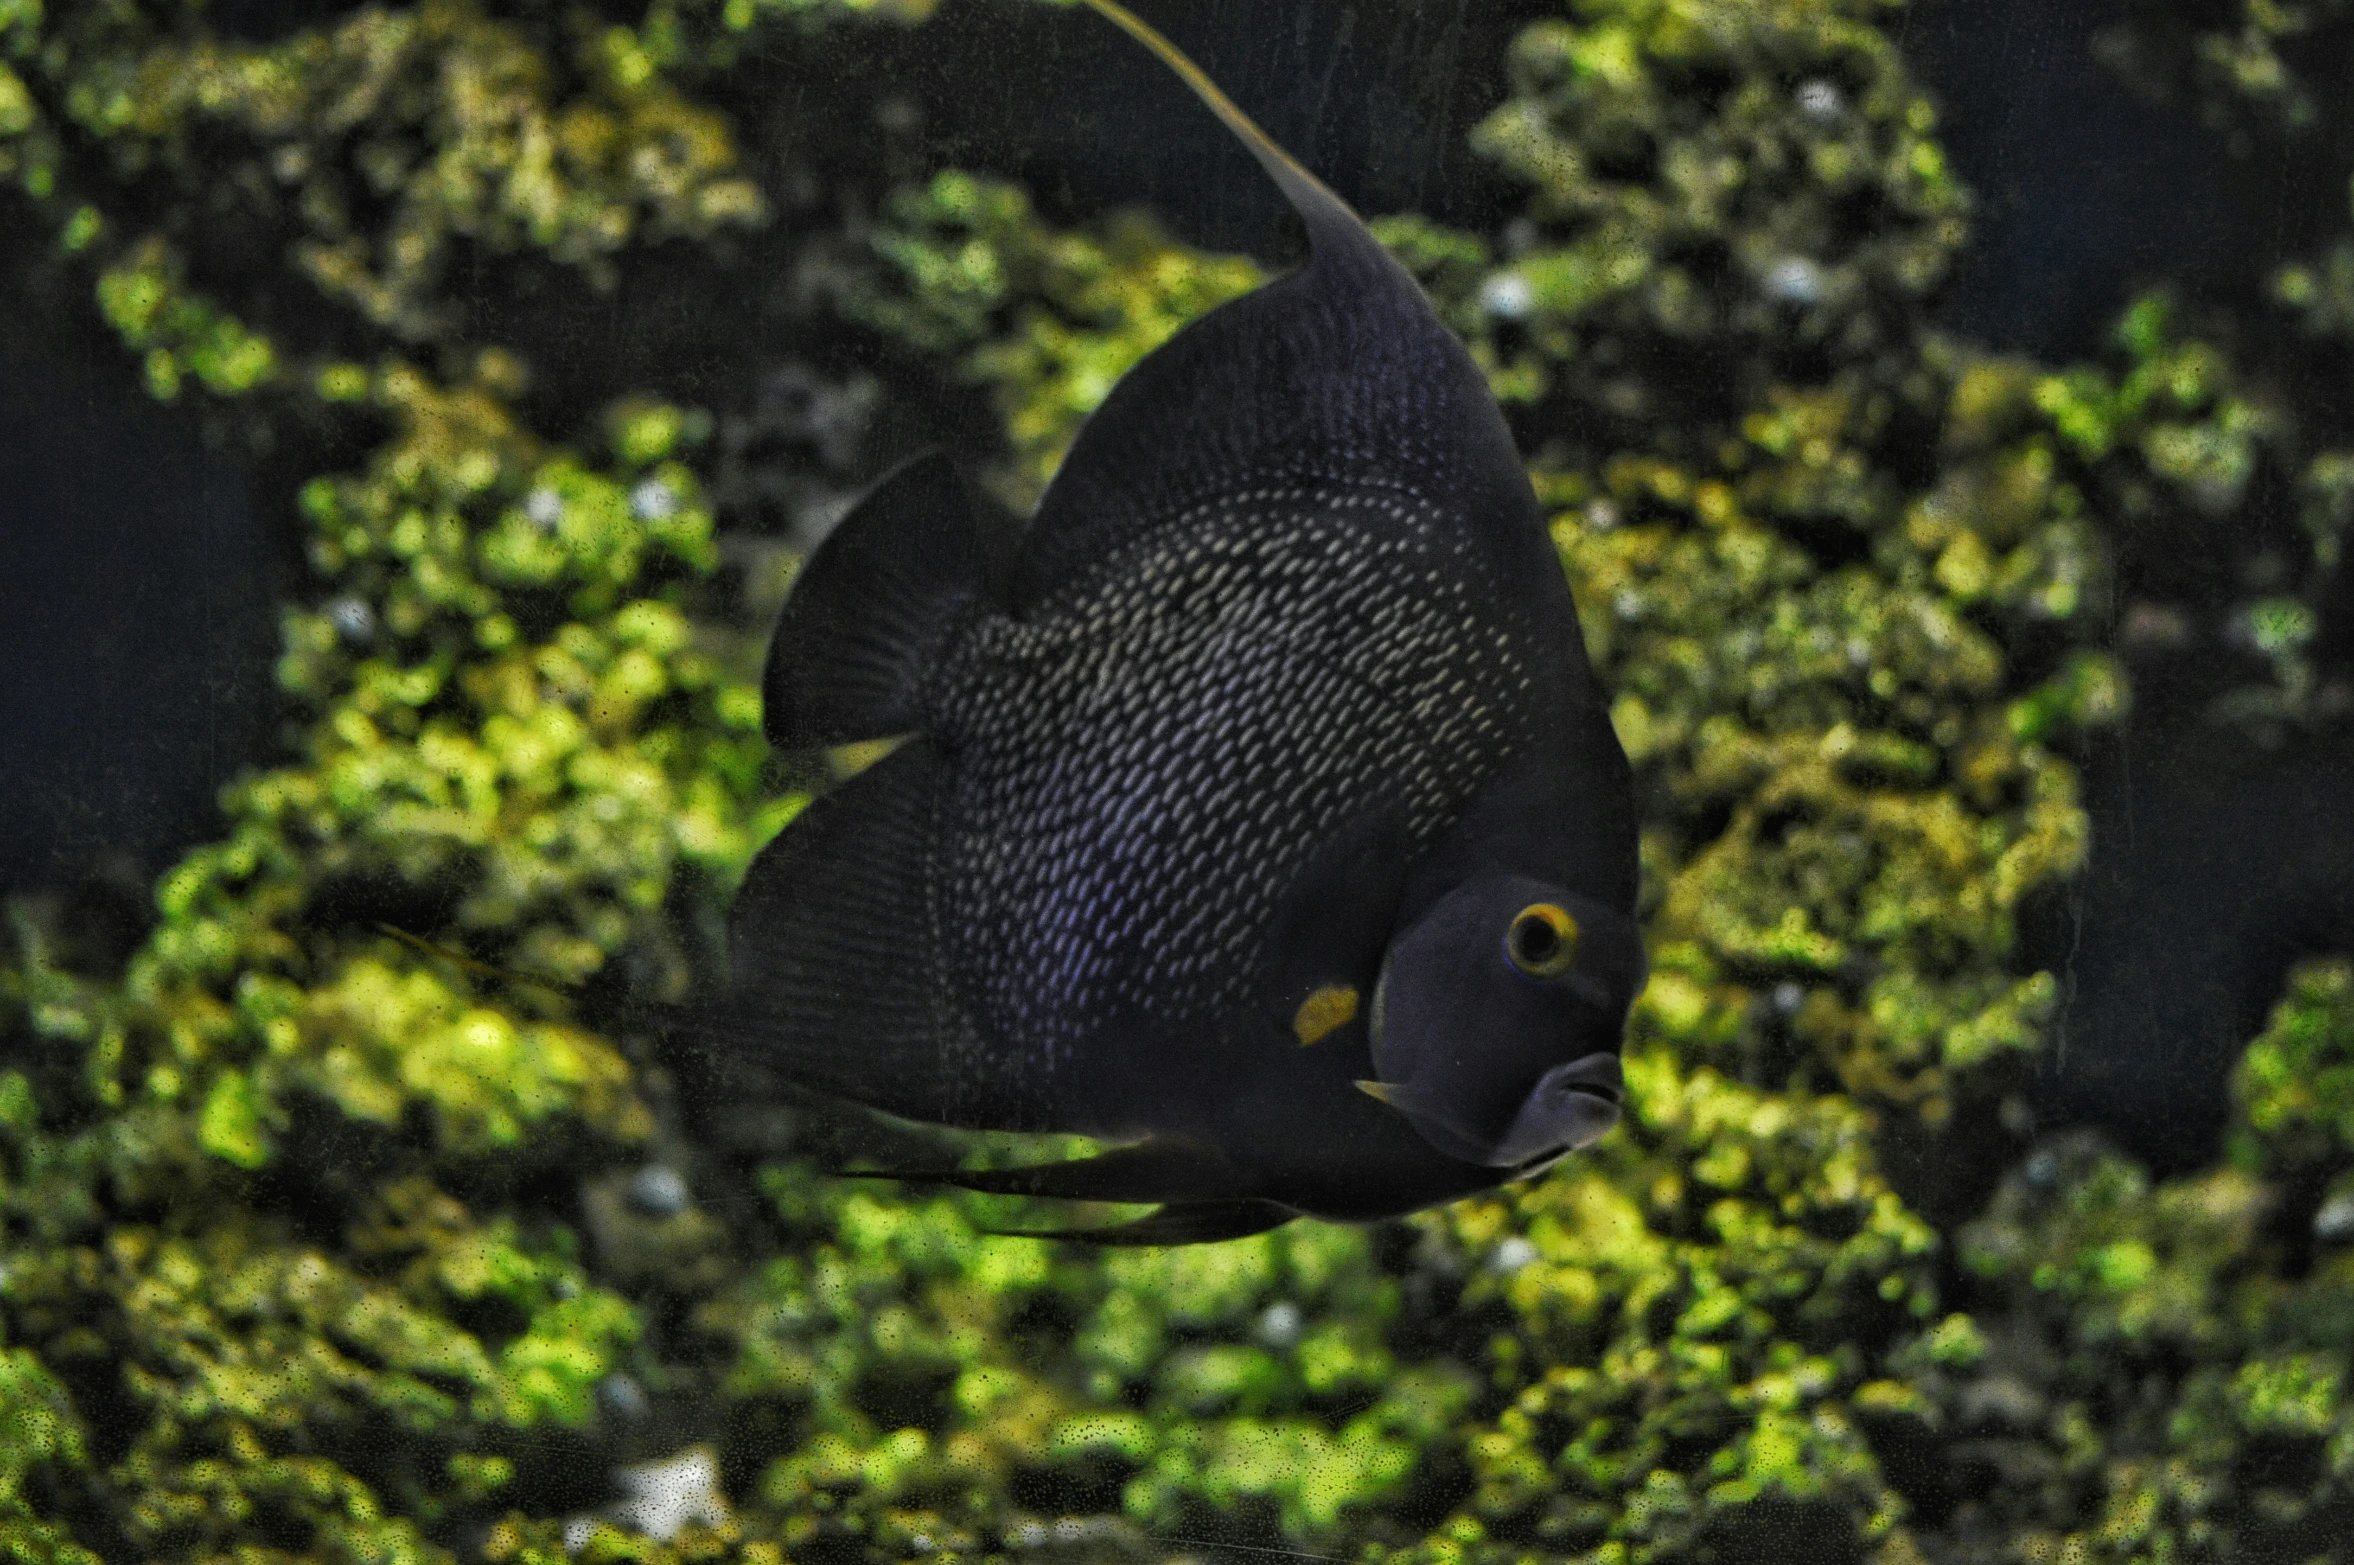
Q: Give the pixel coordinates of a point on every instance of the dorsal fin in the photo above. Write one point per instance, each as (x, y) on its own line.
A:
(1340, 372)
(1331, 225)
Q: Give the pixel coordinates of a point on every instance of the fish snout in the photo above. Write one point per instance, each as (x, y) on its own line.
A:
(1600, 1074)
(1571, 1107)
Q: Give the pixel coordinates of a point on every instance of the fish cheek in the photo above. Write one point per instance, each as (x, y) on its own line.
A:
(1518, 1028)
(1454, 1027)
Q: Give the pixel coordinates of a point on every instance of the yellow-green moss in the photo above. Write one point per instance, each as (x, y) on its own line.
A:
(313, 1248)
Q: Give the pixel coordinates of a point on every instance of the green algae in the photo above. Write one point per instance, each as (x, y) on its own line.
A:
(2250, 462)
(261, 1376)
(317, 1239)
(1048, 320)
(2165, 1383)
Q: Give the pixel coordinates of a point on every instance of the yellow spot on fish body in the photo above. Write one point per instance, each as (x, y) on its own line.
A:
(1334, 1005)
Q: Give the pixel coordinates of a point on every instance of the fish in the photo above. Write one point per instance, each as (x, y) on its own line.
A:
(1256, 810)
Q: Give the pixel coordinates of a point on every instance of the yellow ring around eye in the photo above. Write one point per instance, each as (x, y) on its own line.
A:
(1543, 941)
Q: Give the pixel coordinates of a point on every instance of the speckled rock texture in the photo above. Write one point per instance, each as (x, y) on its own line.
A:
(356, 1212)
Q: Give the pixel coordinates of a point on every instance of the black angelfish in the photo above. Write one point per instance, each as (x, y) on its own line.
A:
(1264, 814)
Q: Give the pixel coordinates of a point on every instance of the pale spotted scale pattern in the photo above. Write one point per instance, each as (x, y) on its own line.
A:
(1145, 760)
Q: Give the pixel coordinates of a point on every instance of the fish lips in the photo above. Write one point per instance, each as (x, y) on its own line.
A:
(1571, 1107)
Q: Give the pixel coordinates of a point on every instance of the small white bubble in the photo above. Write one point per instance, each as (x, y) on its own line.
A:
(545, 508)
(652, 500)
(1794, 280)
(2335, 1221)
(1279, 1325)
(623, 1398)
(1507, 296)
(1513, 1255)
(1601, 516)
(352, 618)
(664, 1497)
(658, 1190)
(1821, 101)
(1788, 996)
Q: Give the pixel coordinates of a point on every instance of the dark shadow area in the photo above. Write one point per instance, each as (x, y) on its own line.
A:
(2215, 864)
(137, 631)
(2215, 868)
(2084, 191)
(1376, 96)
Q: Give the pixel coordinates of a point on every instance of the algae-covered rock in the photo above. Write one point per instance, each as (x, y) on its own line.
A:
(2166, 1362)
(261, 1206)
(357, 1214)
(2241, 459)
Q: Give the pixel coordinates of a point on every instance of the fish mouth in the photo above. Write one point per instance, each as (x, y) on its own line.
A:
(1571, 1107)
(1597, 1075)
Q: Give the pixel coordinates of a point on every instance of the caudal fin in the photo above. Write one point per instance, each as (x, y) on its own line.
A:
(874, 606)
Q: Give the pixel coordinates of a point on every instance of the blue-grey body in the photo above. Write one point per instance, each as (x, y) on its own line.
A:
(1146, 761)
(1284, 663)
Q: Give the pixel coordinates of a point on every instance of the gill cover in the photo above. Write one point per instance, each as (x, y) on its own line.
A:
(1495, 1027)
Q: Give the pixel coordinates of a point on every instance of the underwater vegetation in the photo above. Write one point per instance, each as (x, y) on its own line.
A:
(553, 333)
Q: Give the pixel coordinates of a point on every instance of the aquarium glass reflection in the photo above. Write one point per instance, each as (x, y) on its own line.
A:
(1418, 782)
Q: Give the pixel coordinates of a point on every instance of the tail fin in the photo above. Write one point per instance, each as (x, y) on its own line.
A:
(841, 967)
(872, 610)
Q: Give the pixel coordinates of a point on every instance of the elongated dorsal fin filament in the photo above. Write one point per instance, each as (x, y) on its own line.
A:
(1309, 196)
(1338, 372)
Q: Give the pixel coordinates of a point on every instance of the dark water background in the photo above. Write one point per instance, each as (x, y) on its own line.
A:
(138, 581)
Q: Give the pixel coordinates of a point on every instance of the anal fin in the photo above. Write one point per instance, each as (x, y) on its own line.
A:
(1163, 1169)
(1184, 1222)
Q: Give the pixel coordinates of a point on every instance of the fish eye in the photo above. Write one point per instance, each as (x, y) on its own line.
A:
(1543, 941)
